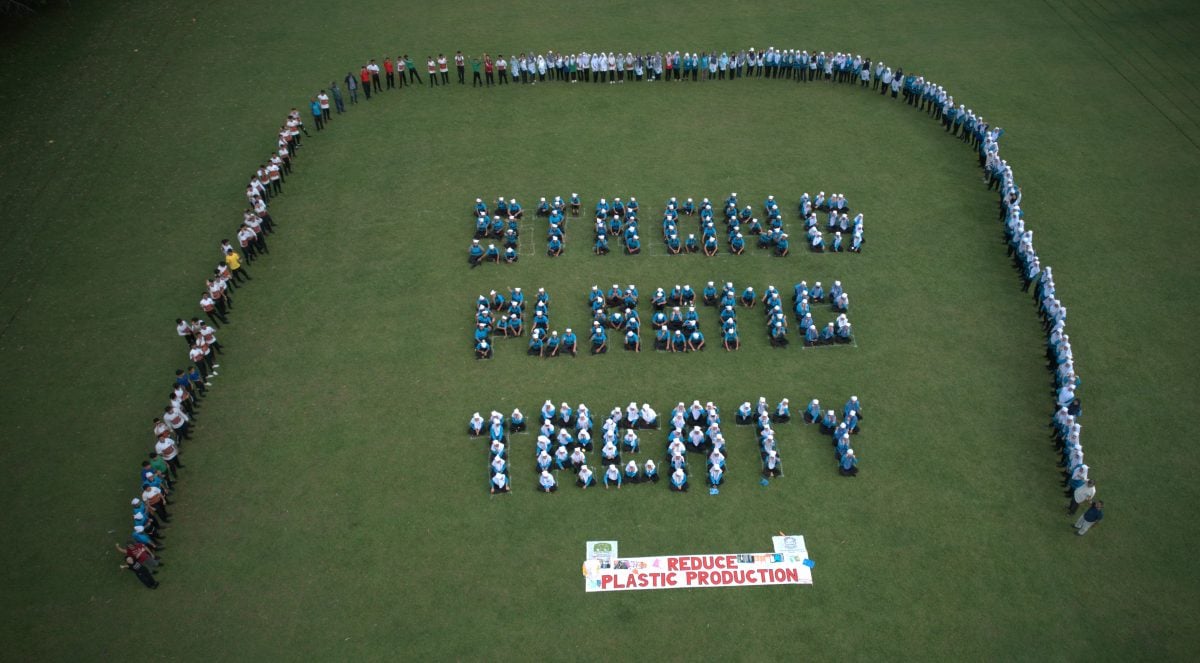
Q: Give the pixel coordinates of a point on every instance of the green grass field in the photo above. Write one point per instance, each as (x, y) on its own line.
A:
(332, 506)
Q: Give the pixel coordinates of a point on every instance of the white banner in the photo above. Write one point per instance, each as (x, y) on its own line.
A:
(788, 565)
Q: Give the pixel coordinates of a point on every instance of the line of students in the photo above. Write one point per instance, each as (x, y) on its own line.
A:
(175, 425)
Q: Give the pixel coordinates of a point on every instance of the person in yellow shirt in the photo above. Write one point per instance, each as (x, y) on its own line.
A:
(234, 261)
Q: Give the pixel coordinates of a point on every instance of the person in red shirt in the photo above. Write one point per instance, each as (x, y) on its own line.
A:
(365, 77)
(140, 553)
(431, 65)
(488, 69)
(390, 71)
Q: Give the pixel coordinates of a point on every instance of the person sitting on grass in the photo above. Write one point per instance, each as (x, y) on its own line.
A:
(828, 423)
(811, 337)
(547, 483)
(631, 474)
(772, 464)
(516, 422)
(730, 338)
(612, 474)
(749, 299)
(475, 425)
(679, 480)
(650, 472)
(554, 246)
(514, 209)
(633, 246)
(812, 413)
(849, 465)
(716, 476)
(499, 483)
(695, 341)
(537, 343)
(570, 342)
(492, 254)
(475, 253)
(585, 477)
(845, 333)
(599, 339)
(483, 349)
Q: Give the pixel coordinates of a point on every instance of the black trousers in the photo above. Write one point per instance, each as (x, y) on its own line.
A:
(476, 80)
(375, 83)
(461, 73)
(143, 574)
(391, 80)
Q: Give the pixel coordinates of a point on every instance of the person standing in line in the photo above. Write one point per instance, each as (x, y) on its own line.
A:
(323, 98)
(166, 449)
(489, 70)
(501, 70)
(318, 117)
(1090, 517)
(364, 78)
(351, 87)
(374, 69)
(431, 69)
(476, 79)
(1082, 494)
(411, 67)
(337, 97)
(443, 69)
(389, 71)
(460, 64)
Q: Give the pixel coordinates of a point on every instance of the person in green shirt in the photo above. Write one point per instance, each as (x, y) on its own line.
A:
(476, 79)
(162, 468)
(412, 70)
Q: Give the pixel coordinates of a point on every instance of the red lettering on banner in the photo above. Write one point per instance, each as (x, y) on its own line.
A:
(727, 577)
(779, 575)
(702, 577)
(690, 578)
(698, 563)
(792, 574)
(739, 577)
(673, 564)
(607, 579)
(764, 575)
(671, 580)
(731, 561)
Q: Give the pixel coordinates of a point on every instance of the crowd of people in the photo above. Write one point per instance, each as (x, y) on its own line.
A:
(160, 471)
(675, 320)
(565, 439)
(499, 227)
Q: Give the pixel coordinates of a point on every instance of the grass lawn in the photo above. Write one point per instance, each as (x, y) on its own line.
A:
(332, 506)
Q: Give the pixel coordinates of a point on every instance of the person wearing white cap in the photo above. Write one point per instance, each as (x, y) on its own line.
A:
(772, 463)
(547, 483)
(849, 465)
(576, 203)
(585, 477)
(499, 483)
(853, 405)
(475, 253)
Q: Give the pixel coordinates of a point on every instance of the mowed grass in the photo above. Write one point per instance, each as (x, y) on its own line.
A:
(332, 506)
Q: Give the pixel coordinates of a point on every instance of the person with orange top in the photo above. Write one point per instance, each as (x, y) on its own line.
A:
(389, 71)
(365, 77)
